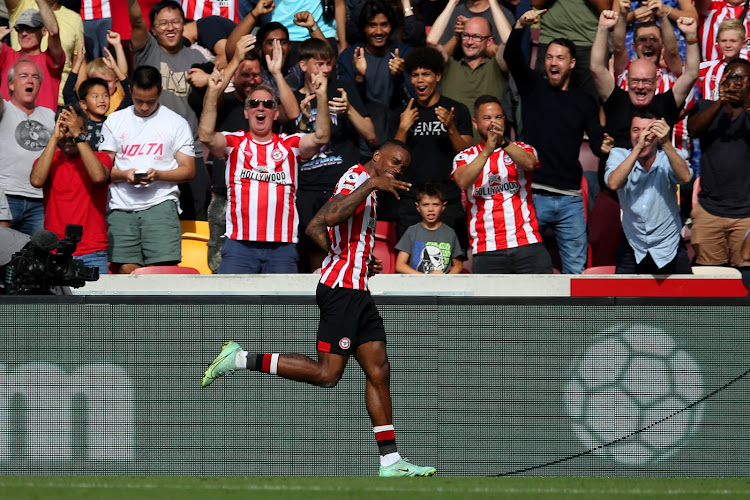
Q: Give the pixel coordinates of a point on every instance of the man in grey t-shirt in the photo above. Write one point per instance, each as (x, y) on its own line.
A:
(27, 129)
(162, 48)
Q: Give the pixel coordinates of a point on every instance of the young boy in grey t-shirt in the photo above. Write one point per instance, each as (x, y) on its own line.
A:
(429, 247)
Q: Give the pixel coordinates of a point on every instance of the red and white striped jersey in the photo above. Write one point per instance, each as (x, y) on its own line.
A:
(261, 187)
(353, 240)
(665, 81)
(95, 9)
(499, 209)
(197, 9)
(710, 77)
(709, 22)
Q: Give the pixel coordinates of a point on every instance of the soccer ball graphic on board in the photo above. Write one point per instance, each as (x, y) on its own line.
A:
(630, 377)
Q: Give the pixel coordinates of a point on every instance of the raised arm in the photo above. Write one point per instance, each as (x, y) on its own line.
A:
(514, 57)
(120, 58)
(363, 124)
(40, 170)
(54, 46)
(503, 29)
(603, 79)
(289, 110)
(439, 26)
(306, 20)
(138, 29)
(96, 170)
(620, 52)
(339, 13)
(212, 141)
(689, 27)
(671, 51)
(247, 24)
(676, 161)
(310, 144)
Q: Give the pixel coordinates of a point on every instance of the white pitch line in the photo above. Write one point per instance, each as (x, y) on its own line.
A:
(389, 489)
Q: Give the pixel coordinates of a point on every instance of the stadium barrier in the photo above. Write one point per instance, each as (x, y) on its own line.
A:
(481, 386)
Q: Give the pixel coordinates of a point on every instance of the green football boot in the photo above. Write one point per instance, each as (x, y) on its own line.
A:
(222, 365)
(403, 468)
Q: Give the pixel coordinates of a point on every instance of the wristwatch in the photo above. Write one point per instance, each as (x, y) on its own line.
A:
(80, 137)
(505, 143)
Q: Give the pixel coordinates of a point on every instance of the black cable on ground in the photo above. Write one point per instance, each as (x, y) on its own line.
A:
(589, 451)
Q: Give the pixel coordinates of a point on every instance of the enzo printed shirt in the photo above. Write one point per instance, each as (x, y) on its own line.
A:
(353, 240)
(500, 212)
(261, 182)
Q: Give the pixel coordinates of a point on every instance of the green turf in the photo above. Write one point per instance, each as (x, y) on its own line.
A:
(330, 488)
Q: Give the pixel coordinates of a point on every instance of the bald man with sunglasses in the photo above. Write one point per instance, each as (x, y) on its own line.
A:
(261, 176)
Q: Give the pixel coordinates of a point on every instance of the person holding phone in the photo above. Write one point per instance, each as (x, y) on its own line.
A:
(152, 149)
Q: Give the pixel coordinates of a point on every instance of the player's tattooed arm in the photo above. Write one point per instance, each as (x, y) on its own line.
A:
(317, 230)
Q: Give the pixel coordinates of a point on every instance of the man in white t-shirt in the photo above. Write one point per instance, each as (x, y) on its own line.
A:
(153, 152)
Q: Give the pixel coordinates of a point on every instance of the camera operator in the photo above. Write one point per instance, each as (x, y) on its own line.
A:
(75, 180)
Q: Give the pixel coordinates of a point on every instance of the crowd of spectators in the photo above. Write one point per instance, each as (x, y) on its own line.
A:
(126, 116)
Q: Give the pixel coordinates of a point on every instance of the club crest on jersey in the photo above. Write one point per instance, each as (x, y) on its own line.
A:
(351, 178)
(507, 159)
(460, 157)
(277, 155)
(345, 343)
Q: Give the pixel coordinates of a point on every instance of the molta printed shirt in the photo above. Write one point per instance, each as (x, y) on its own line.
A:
(141, 143)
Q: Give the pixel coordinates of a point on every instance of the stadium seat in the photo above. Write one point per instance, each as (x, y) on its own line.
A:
(195, 253)
(386, 231)
(165, 270)
(197, 229)
(600, 270)
(386, 253)
(385, 245)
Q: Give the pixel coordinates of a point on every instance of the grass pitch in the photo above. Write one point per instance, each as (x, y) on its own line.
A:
(337, 488)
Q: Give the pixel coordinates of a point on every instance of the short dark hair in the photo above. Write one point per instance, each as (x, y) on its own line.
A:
(424, 57)
(567, 43)
(431, 189)
(371, 9)
(251, 55)
(146, 77)
(738, 60)
(643, 25)
(395, 142)
(644, 114)
(160, 6)
(317, 49)
(267, 28)
(484, 99)
(86, 86)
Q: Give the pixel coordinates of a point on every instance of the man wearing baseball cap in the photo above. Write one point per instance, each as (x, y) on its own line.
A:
(31, 25)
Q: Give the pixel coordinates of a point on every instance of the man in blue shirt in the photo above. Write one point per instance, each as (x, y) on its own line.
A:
(646, 178)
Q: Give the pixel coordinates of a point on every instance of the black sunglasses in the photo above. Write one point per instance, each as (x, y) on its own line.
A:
(267, 103)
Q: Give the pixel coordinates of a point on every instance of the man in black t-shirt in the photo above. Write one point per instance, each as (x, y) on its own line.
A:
(721, 218)
(556, 115)
(436, 129)
(619, 105)
(350, 120)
